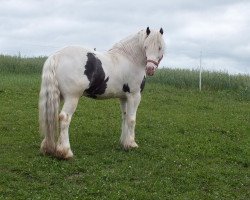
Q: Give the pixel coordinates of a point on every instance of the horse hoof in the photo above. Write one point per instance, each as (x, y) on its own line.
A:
(47, 148)
(130, 145)
(64, 153)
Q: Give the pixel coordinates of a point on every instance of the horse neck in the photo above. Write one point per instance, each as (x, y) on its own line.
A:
(131, 48)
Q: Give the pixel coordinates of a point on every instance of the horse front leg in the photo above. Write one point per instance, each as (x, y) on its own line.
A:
(129, 109)
(124, 114)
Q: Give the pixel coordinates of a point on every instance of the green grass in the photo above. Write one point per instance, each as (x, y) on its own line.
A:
(192, 145)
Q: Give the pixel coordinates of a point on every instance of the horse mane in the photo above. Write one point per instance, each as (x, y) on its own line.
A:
(132, 46)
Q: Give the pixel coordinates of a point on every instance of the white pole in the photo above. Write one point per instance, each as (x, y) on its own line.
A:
(200, 71)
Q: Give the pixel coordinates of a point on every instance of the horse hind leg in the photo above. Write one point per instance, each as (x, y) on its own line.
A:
(63, 149)
(47, 146)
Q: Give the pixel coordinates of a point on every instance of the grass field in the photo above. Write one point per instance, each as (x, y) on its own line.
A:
(192, 145)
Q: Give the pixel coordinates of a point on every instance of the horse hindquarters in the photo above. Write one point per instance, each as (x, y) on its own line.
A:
(72, 83)
(49, 101)
(58, 74)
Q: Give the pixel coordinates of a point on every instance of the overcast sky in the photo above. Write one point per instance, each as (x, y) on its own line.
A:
(218, 28)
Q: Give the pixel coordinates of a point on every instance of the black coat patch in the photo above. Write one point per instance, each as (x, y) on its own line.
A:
(126, 88)
(96, 76)
(143, 83)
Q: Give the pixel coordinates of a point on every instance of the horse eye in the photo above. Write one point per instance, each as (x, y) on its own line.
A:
(146, 47)
(159, 48)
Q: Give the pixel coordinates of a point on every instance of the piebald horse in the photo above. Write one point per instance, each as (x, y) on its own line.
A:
(75, 71)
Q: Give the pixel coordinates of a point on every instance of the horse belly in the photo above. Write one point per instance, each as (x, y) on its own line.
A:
(111, 91)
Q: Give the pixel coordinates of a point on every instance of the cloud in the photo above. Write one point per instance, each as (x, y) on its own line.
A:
(220, 29)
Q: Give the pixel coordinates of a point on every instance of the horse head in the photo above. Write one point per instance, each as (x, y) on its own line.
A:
(154, 49)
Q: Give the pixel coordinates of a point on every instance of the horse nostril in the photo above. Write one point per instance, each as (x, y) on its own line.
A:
(150, 68)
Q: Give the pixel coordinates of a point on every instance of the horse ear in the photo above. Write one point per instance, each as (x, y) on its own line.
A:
(161, 31)
(148, 31)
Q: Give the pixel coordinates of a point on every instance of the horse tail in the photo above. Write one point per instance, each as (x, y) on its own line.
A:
(49, 101)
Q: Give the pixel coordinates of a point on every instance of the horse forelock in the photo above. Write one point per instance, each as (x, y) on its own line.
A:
(155, 38)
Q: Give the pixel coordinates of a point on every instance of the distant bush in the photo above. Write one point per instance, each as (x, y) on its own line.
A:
(184, 78)
(21, 65)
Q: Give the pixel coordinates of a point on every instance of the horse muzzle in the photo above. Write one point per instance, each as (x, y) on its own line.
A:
(152, 66)
(150, 70)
